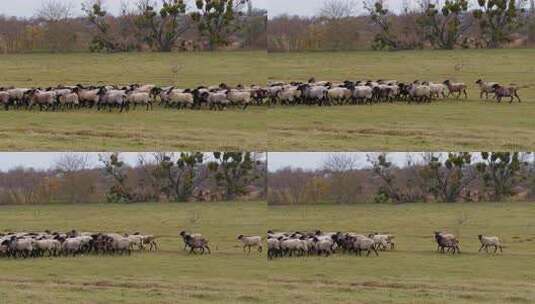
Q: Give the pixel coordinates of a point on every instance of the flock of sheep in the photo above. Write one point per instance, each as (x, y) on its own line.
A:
(223, 96)
(288, 244)
(279, 244)
(368, 92)
(72, 243)
(123, 98)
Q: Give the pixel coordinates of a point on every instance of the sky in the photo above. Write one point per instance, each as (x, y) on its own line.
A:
(27, 8)
(48, 160)
(315, 160)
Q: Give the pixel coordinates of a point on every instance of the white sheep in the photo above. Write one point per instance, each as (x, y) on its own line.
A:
(490, 241)
(251, 241)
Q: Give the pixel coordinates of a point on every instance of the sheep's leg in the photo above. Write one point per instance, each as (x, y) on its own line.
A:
(208, 248)
(481, 248)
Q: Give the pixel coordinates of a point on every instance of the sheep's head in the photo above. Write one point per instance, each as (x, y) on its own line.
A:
(479, 81)
(480, 236)
(240, 237)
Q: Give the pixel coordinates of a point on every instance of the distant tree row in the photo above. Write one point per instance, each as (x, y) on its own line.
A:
(169, 177)
(453, 24)
(159, 25)
(494, 176)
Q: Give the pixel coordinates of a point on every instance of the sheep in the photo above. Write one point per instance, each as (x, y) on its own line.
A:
(216, 99)
(70, 100)
(239, 97)
(251, 241)
(4, 99)
(88, 97)
(490, 241)
(447, 240)
(362, 93)
(486, 88)
(438, 90)
(419, 93)
(363, 243)
(501, 91)
(141, 98)
(52, 247)
(324, 245)
(112, 98)
(196, 243)
(44, 99)
(459, 88)
(338, 95)
(274, 248)
(383, 241)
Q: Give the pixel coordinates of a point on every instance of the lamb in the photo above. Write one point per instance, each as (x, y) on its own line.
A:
(486, 88)
(502, 91)
(251, 241)
(490, 241)
(459, 88)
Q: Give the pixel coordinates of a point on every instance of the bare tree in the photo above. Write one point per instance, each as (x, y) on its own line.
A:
(338, 9)
(340, 162)
(72, 162)
(55, 10)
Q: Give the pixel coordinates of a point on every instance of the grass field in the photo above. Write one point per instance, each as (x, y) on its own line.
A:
(169, 276)
(135, 131)
(445, 125)
(441, 126)
(413, 273)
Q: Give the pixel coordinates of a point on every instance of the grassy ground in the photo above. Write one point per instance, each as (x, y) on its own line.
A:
(441, 126)
(139, 131)
(169, 276)
(413, 273)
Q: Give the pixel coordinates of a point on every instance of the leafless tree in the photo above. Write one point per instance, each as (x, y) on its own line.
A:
(338, 9)
(340, 162)
(55, 10)
(72, 162)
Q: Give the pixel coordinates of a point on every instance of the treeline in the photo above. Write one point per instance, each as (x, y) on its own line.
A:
(454, 24)
(457, 177)
(162, 177)
(150, 25)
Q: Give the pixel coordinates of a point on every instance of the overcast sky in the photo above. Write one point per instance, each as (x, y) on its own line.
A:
(47, 160)
(27, 8)
(315, 160)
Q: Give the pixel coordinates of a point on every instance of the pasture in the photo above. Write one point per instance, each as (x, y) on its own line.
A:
(413, 272)
(453, 125)
(167, 276)
(137, 130)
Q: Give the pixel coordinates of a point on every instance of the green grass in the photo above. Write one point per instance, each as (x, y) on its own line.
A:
(135, 131)
(414, 272)
(168, 276)
(442, 126)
